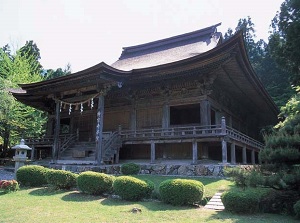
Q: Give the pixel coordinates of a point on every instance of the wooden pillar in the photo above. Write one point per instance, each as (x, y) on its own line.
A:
(152, 152)
(224, 151)
(223, 125)
(205, 118)
(118, 156)
(32, 152)
(233, 158)
(133, 117)
(195, 152)
(204, 154)
(166, 116)
(253, 156)
(99, 130)
(55, 146)
(244, 155)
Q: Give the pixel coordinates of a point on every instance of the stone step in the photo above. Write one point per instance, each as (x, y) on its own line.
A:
(215, 203)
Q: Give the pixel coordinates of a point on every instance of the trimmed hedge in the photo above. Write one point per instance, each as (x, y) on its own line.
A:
(61, 179)
(32, 176)
(297, 209)
(181, 191)
(243, 201)
(130, 169)
(90, 182)
(132, 189)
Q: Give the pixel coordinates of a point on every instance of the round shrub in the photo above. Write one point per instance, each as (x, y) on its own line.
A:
(32, 175)
(61, 179)
(132, 189)
(9, 185)
(130, 169)
(297, 209)
(94, 183)
(181, 191)
(245, 202)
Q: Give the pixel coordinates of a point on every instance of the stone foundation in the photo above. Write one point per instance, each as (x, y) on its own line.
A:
(155, 169)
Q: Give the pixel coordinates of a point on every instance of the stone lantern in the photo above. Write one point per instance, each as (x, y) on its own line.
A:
(20, 154)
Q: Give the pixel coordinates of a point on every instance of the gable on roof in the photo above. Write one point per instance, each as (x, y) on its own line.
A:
(169, 50)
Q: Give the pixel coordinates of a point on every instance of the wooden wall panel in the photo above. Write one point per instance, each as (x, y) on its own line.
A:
(113, 119)
(149, 117)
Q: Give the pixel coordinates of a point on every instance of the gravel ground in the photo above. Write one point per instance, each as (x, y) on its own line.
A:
(6, 174)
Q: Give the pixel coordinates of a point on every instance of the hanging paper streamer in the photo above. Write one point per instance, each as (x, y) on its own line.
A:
(70, 109)
(60, 106)
(81, 108)
(92, 103)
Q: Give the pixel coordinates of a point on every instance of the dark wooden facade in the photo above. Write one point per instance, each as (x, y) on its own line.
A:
(185, 97)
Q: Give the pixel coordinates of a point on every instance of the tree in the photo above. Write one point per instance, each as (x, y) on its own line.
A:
(16, 119)
(50, 73)
(285, 39)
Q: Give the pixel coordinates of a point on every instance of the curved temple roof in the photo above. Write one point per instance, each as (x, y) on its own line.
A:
(169, 50)
(197, 53)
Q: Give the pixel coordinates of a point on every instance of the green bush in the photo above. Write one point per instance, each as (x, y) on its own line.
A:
(238, 201)
(297, 209)
(32, 175)
(130, 169)
(181, 191)
(94, 183)
(61, 179)
(132, 189)
(238, 175)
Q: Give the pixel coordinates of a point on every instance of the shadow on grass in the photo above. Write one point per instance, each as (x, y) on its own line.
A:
(76, 196)
(46, 191)
(2, 193)
(150, 205)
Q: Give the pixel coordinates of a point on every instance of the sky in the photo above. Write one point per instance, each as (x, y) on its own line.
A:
(87, 32)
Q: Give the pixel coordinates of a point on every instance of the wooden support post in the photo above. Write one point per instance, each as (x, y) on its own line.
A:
(99, 130)
(204, 154)
(118, 156)
(32, 153)
(205, 118)
(55, 146)
(166, 116)
(233, 158)
(224, 151)
(253, 156)
(195, 152)
(133, 118)
(244, 155)
(223, 125)
(152, 152)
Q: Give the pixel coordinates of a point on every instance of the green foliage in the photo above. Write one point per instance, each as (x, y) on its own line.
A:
(94, 183)
(61, 179)
(241, 202)
(32, 175)
(181, 191)
(9, 186)
(132, 189)
(130, 169)
(284, 41)
(279, 202)
(237, 174)
(296, 208)
(16, 119)
(59, 72)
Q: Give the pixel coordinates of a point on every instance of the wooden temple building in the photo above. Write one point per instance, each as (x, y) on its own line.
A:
(189, 97)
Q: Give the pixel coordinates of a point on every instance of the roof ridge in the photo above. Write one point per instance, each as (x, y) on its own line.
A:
(169, 40)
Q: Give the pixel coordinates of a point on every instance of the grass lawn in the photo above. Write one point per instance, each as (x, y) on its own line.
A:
(46, 205)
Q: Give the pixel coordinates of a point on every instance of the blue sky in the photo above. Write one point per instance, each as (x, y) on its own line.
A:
(86, 32)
